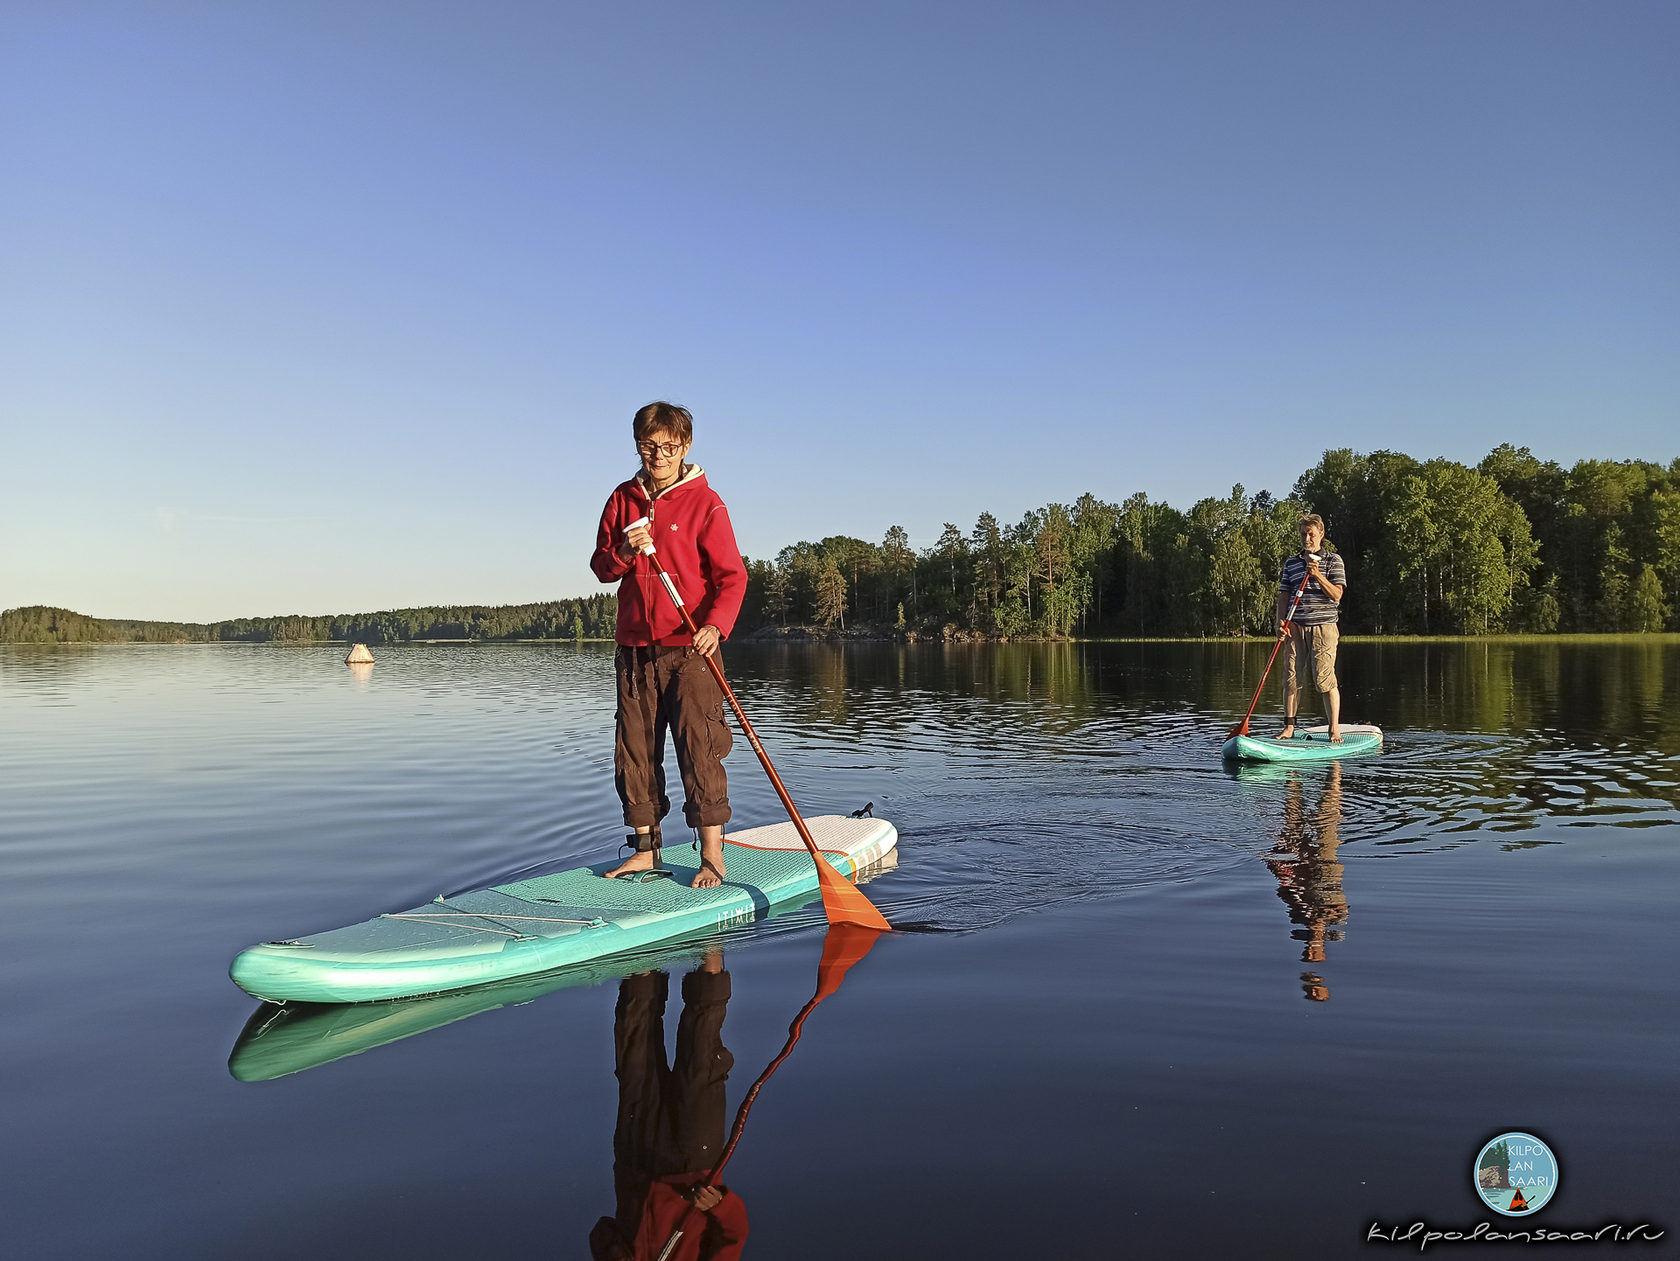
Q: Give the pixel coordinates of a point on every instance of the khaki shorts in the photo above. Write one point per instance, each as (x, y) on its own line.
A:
(1309, 658)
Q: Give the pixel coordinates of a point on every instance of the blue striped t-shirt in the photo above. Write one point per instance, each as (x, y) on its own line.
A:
(1317, 608)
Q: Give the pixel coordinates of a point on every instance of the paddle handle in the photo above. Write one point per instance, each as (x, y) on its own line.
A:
(1283, 633)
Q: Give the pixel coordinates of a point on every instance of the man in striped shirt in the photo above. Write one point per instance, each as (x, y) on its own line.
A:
(1310, 655)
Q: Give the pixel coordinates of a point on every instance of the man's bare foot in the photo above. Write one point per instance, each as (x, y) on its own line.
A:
(1335, 736)
(1288, 732)
(711, 871)
(636, 862)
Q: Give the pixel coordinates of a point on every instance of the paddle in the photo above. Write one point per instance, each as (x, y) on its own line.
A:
(843, 902)
(1283, 633)
(844, 946)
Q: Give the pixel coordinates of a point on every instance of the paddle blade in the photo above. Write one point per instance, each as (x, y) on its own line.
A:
(843, 901)
(844, 946)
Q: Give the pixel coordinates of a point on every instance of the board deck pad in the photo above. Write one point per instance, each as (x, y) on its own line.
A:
(553, 921)
(1309, 744)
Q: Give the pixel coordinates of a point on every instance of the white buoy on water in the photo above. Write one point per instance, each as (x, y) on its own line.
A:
(359, 656)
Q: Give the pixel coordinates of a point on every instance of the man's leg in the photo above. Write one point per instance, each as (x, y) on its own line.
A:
(700, 1071)
(638, 758)
(642, 1130)
(1325, 639)
(702, 741)
(711, 857)
(1291, 683)
(1333, 712)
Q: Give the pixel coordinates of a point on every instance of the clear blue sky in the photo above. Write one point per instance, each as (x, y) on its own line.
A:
(333, 307)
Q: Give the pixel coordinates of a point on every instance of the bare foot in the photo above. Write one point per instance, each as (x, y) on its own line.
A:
(711, 871)
(636, 862)
(1335, 737)
(1288, 732)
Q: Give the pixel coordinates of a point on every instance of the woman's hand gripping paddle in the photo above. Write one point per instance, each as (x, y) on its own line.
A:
(844, 946)
(1241, 729)
(843, 902)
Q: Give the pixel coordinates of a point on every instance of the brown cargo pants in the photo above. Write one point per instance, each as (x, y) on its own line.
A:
(669, 688)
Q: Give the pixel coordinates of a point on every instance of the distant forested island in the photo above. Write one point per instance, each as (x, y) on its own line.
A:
(587, 617)
(1432, 547)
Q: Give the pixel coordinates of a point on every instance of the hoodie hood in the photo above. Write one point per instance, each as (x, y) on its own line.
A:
(690, 473)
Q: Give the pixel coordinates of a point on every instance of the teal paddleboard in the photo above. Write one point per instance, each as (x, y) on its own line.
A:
(1308, 744)
(283, 1038)
(554, 921)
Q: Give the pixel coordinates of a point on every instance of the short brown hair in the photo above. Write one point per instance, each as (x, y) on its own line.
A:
(664, 418)
(1312, 518)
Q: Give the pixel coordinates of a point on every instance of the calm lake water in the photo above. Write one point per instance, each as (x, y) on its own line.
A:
(1141, 1005)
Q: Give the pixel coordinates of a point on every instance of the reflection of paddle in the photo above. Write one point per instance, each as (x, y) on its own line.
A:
(844, 946)
(1283, 633)
(843, 902)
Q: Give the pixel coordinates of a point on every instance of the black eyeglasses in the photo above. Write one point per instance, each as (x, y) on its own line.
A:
(667, 449)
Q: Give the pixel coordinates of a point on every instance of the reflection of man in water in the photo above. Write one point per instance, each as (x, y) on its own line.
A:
(1308, 875)
(670, 1128)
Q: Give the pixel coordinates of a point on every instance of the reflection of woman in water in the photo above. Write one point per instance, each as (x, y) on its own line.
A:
(1309, 876)
(670, 1127)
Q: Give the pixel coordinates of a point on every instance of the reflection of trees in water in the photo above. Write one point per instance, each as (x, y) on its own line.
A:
(1056, 675)
(1606, 690)
(829, 682)
(46, 672)
(876, 688)
(1309, 872)
(1591, 722)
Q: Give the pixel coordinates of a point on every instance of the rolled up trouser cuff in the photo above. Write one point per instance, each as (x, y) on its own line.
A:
(714, 814)
(706, 987)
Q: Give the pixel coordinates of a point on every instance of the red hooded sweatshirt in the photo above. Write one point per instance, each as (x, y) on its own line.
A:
(696, 544)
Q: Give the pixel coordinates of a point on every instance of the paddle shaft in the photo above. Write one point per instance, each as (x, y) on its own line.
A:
(1283, 634)
(735, 705)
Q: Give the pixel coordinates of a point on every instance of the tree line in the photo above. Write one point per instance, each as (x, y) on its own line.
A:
(1432, 547)
(586, 617)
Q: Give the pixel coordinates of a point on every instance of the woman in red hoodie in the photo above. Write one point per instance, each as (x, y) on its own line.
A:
(663, 684)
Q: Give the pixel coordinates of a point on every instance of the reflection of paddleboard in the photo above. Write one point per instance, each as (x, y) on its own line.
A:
(554, 921)
(1309, 744)
(278, 1040)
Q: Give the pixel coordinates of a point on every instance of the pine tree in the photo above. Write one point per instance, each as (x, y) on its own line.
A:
(831, 595)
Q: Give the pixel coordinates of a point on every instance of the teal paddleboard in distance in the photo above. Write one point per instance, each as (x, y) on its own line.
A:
(1308, 744)
(554, 921)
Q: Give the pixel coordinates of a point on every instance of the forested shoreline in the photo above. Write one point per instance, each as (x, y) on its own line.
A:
(1514, 544)
(585, 617)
